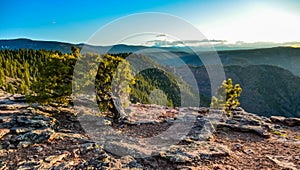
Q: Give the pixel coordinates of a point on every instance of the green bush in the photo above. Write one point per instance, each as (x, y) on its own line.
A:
(227, 96)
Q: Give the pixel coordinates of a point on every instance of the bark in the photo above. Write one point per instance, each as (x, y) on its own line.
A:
(117, 110)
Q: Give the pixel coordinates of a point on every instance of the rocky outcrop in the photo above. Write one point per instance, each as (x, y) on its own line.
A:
(20, 127)
(195, 152)
(51, 137)
(285, 121)
(247, 122)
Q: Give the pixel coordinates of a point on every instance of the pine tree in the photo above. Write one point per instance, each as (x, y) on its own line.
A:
(2, 77)
(75, 51)
(10, 88)
(113, 82)
(26, 76)
(228, 95)
(23, 88)
(53, 83)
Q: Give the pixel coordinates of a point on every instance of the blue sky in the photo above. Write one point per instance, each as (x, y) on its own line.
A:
(75, 21)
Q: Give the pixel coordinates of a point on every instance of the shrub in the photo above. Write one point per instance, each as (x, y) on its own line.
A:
(227, 96)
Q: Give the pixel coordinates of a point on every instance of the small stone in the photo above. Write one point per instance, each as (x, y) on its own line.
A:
(230, 121)
(237, 146)
(248, 151)
(6, 144)
(103, 156)
(277, 126)
(38, 149)
(126, 159)
(10, 163)
(23, 144)
(3, 132)
(4, 119)
(18, 130)
(88, 146)
(11, 146)
(56, 158)
(29, 165)
(180, 159)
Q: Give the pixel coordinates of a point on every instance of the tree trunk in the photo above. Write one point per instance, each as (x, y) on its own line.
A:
(118, 112)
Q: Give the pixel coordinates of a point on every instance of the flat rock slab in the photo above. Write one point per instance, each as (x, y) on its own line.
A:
(245, 128)
(286, 121)
(14, 106)
(36, 136)
(194, 152)
(282, 162)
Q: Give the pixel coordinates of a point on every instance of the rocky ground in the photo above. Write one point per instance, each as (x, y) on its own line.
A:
(51, 137)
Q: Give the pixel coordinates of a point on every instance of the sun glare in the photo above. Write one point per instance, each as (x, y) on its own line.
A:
(259, 24)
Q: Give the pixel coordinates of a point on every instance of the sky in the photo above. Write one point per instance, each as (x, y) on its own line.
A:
(76, 21)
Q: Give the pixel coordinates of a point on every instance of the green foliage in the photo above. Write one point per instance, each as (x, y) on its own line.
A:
(113, 79)
(75, 51)
(54, 81)
(150, 80)
(227, 96)
(278, 133)
(23, 88)
(159, 97)
(46, 76)
(2, 77)
(10, 88)
(17, 67)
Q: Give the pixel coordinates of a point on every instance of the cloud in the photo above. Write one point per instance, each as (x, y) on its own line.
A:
(220, 44)
(168, 43)
(161, 35)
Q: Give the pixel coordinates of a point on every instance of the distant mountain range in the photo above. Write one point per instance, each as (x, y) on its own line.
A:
(63, 47)
(270, 77)
(285, 57)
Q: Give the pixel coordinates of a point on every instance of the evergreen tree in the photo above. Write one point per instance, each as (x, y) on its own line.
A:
(23, 88)
(10, 88)
(227, 96)
(2, 77)
(75, 51)
(113, 81)
(53, 82)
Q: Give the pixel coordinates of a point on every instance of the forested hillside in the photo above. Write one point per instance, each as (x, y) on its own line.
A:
(46, 76)
(267, 90)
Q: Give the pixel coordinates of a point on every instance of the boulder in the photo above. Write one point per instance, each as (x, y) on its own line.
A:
(36, 136)
(194, 152)
(292, 121)
(285, 121)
